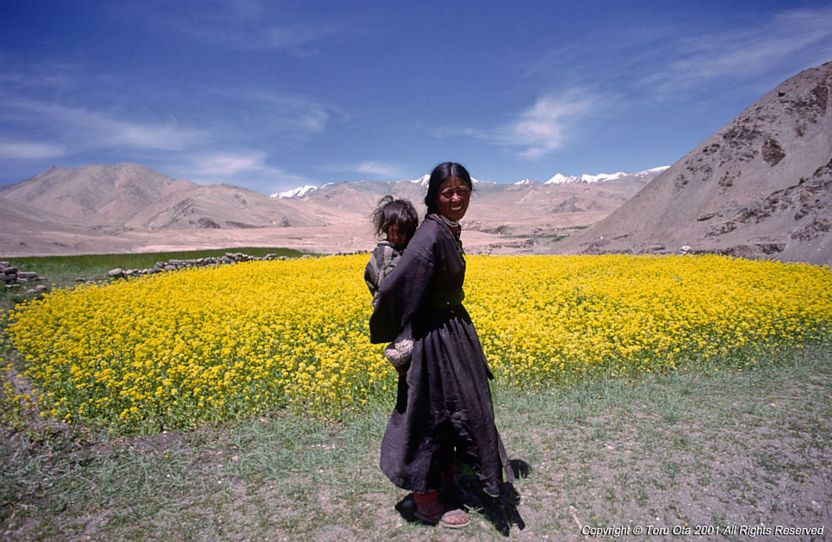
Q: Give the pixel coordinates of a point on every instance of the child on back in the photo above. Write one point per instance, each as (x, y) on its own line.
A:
(396, 220)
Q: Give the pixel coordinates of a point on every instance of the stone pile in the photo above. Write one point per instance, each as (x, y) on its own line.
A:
(14, 278)
(173, 265)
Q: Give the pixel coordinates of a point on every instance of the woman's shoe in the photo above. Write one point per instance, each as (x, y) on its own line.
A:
(451, 519)
(455, 519)
(431, 510)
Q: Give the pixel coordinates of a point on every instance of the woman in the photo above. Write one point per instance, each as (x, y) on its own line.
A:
(443, 410)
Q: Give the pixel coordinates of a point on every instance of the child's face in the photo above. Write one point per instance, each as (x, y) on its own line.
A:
(396, 237)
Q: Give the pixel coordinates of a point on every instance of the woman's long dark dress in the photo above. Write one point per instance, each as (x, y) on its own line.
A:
(444, 403)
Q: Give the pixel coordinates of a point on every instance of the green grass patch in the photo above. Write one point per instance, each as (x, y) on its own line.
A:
(57, 268)
(63, 271)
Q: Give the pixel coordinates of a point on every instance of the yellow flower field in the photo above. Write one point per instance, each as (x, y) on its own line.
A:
(171, 350)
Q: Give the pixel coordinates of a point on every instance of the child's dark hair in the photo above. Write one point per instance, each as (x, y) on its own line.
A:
(395, 211)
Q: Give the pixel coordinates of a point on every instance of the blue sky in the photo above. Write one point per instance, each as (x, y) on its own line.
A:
(270, 95)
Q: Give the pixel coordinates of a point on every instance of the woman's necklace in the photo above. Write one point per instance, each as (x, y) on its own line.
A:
(456, 230)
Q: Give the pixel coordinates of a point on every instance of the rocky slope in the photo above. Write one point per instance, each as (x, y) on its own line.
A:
(759, 187)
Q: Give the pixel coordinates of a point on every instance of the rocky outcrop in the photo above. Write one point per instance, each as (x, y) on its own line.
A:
(759, 187)
(173, 265)
(13, 279)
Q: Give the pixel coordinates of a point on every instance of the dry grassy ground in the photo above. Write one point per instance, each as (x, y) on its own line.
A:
(745, 448)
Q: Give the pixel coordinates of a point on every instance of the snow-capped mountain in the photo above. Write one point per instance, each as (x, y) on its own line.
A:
(559, 178)
(298, 192)
(422, 181)
(651, 171)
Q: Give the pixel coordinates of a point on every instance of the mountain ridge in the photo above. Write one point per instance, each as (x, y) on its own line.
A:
(128, 201)
(558, 178)
(761, 186)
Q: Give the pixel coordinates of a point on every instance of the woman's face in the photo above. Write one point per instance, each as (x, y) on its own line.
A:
(454, 196)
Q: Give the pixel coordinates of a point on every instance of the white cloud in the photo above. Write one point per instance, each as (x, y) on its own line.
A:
(790, 41)
(236, 120)
(149, 136)
(23, 150)
(546, 126)
(249, 116)
(368, 167)
(244, 168)
(81, 128)
(226, 165)
(295, 112)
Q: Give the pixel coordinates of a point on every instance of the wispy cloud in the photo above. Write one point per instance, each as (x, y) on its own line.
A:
(43, 118)
(377, 169)
(368, 169)
(249, 116)
(546, 126)
(80, 128)
(26, 150)
(248, 168)
(791, 40)
(23, 75)
(296, 39)
(245, 25)
(226, 164)
(295, 112)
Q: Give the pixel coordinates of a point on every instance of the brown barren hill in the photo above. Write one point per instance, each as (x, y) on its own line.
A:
(220, 206)
(96, 196)
(759, 187)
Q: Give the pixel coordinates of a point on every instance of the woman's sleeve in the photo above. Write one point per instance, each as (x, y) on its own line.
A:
(402, 293)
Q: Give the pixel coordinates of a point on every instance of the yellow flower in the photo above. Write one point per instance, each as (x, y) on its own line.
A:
(219, 343)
